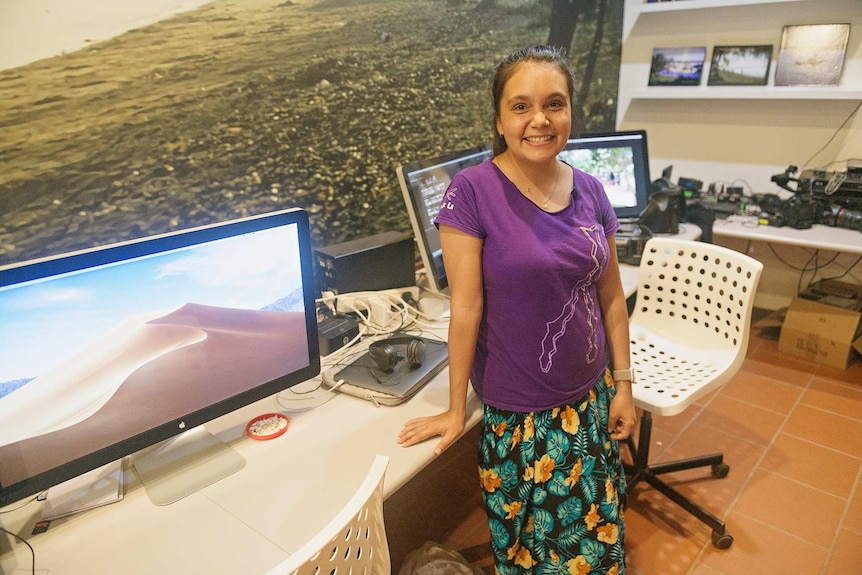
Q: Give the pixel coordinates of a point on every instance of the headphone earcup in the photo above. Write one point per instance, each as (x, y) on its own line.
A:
(416, 353)
(384, 355)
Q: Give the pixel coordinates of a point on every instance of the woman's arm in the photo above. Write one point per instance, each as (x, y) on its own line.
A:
(612, 301)
(462, 256)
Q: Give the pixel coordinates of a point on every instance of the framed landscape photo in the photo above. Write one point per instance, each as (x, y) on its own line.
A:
(677, 66)
(811, 55)
(740, 65)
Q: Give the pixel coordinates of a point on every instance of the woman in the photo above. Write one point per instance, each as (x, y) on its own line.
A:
(537, 316)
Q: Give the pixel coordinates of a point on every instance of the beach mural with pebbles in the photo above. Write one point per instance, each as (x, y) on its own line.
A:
(239, 107)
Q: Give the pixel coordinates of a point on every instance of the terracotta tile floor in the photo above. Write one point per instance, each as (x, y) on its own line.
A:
(791, 432)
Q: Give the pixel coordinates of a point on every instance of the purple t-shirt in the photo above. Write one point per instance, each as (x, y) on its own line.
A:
(541, 340)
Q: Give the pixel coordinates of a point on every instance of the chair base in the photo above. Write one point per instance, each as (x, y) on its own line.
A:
(641, 470)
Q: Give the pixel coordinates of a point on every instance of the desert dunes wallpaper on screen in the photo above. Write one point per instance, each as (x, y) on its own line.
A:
(84, 355)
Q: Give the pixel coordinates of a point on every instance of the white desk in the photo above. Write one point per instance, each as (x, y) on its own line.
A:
(791, 258)
(288, 490)
(817, 237)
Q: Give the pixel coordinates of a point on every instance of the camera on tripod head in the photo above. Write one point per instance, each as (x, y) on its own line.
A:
(800, 211)
(832, 198)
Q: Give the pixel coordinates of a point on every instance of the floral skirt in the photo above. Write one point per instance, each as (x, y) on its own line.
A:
(554, 488)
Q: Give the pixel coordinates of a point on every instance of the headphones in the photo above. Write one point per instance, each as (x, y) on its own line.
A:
(385, 354)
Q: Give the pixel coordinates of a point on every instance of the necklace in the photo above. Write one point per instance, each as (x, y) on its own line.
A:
(547, 198)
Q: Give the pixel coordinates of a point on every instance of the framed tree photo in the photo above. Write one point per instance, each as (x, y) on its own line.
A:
(740, 65)
(677, 66)
(811, 55)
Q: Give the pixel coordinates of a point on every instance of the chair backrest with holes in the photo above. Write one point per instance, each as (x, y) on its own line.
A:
(354, 542)
(690, 323)
(696, 292)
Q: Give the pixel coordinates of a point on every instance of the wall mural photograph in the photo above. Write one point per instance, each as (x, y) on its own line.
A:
(196, 112)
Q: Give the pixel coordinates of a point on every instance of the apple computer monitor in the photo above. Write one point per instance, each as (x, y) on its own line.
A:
(423, 184)
(107, 351)
(619, 160)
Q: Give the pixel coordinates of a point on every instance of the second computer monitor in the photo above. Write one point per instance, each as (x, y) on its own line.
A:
(621, 163)
(423, 184)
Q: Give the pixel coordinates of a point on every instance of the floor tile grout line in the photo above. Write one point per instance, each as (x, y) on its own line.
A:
(780, 530)
(821, 409)
(840, 526)
(803, 483)
(839, 382)
(828, 447)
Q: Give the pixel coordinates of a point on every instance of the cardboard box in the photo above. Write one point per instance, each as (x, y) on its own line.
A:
(823, 332)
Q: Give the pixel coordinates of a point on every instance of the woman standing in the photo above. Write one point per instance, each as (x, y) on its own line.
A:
(538, 315)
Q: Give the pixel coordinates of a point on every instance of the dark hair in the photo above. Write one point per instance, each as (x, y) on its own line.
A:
(507, 67)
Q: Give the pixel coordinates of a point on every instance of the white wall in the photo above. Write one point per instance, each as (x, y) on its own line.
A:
(745, 134)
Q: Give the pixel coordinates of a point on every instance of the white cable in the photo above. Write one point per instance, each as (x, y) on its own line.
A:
(304, 401)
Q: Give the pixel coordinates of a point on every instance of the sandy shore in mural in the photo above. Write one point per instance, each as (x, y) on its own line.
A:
(241, 107)
(34, 29)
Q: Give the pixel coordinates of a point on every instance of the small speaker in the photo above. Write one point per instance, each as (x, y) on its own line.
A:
(378, 262)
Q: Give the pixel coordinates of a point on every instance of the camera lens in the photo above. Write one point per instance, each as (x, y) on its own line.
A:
(850, 219)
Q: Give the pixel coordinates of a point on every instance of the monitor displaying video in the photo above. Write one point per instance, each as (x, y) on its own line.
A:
(620, 161)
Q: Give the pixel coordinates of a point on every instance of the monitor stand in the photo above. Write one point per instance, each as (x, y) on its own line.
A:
(100, 486)
(185, 464)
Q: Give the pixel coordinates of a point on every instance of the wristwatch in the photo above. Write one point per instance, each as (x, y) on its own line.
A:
(624, 375)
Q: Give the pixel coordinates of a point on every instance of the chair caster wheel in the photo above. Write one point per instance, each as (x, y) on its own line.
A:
(721, 470)
(722, 540)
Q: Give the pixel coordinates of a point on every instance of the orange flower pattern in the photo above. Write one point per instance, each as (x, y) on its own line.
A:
(554, 488)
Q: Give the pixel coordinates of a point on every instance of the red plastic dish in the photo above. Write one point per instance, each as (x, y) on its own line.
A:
(272, 435)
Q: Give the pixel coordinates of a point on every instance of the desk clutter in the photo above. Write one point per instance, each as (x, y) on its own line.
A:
(825, 197)
(374, 344)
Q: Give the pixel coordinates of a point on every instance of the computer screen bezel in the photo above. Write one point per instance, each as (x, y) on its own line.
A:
(425, 233)
(36, 270)
(636, 140)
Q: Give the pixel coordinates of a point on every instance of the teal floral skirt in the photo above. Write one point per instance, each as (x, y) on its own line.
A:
(554, 488)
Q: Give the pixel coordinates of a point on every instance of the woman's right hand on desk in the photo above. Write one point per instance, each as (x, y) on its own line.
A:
(449, 425)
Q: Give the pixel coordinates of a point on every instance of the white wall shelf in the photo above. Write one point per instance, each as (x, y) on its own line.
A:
(746, 93)
(652, 7)
(730, 22)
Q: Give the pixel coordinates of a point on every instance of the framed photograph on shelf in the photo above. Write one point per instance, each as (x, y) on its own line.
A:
(677, 66)
(739, 65)
(811, 55)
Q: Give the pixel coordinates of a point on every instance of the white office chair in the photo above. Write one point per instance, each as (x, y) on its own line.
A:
(689, 334)
(354, 542)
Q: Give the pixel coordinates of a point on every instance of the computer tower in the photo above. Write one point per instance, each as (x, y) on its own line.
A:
(378, 262)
